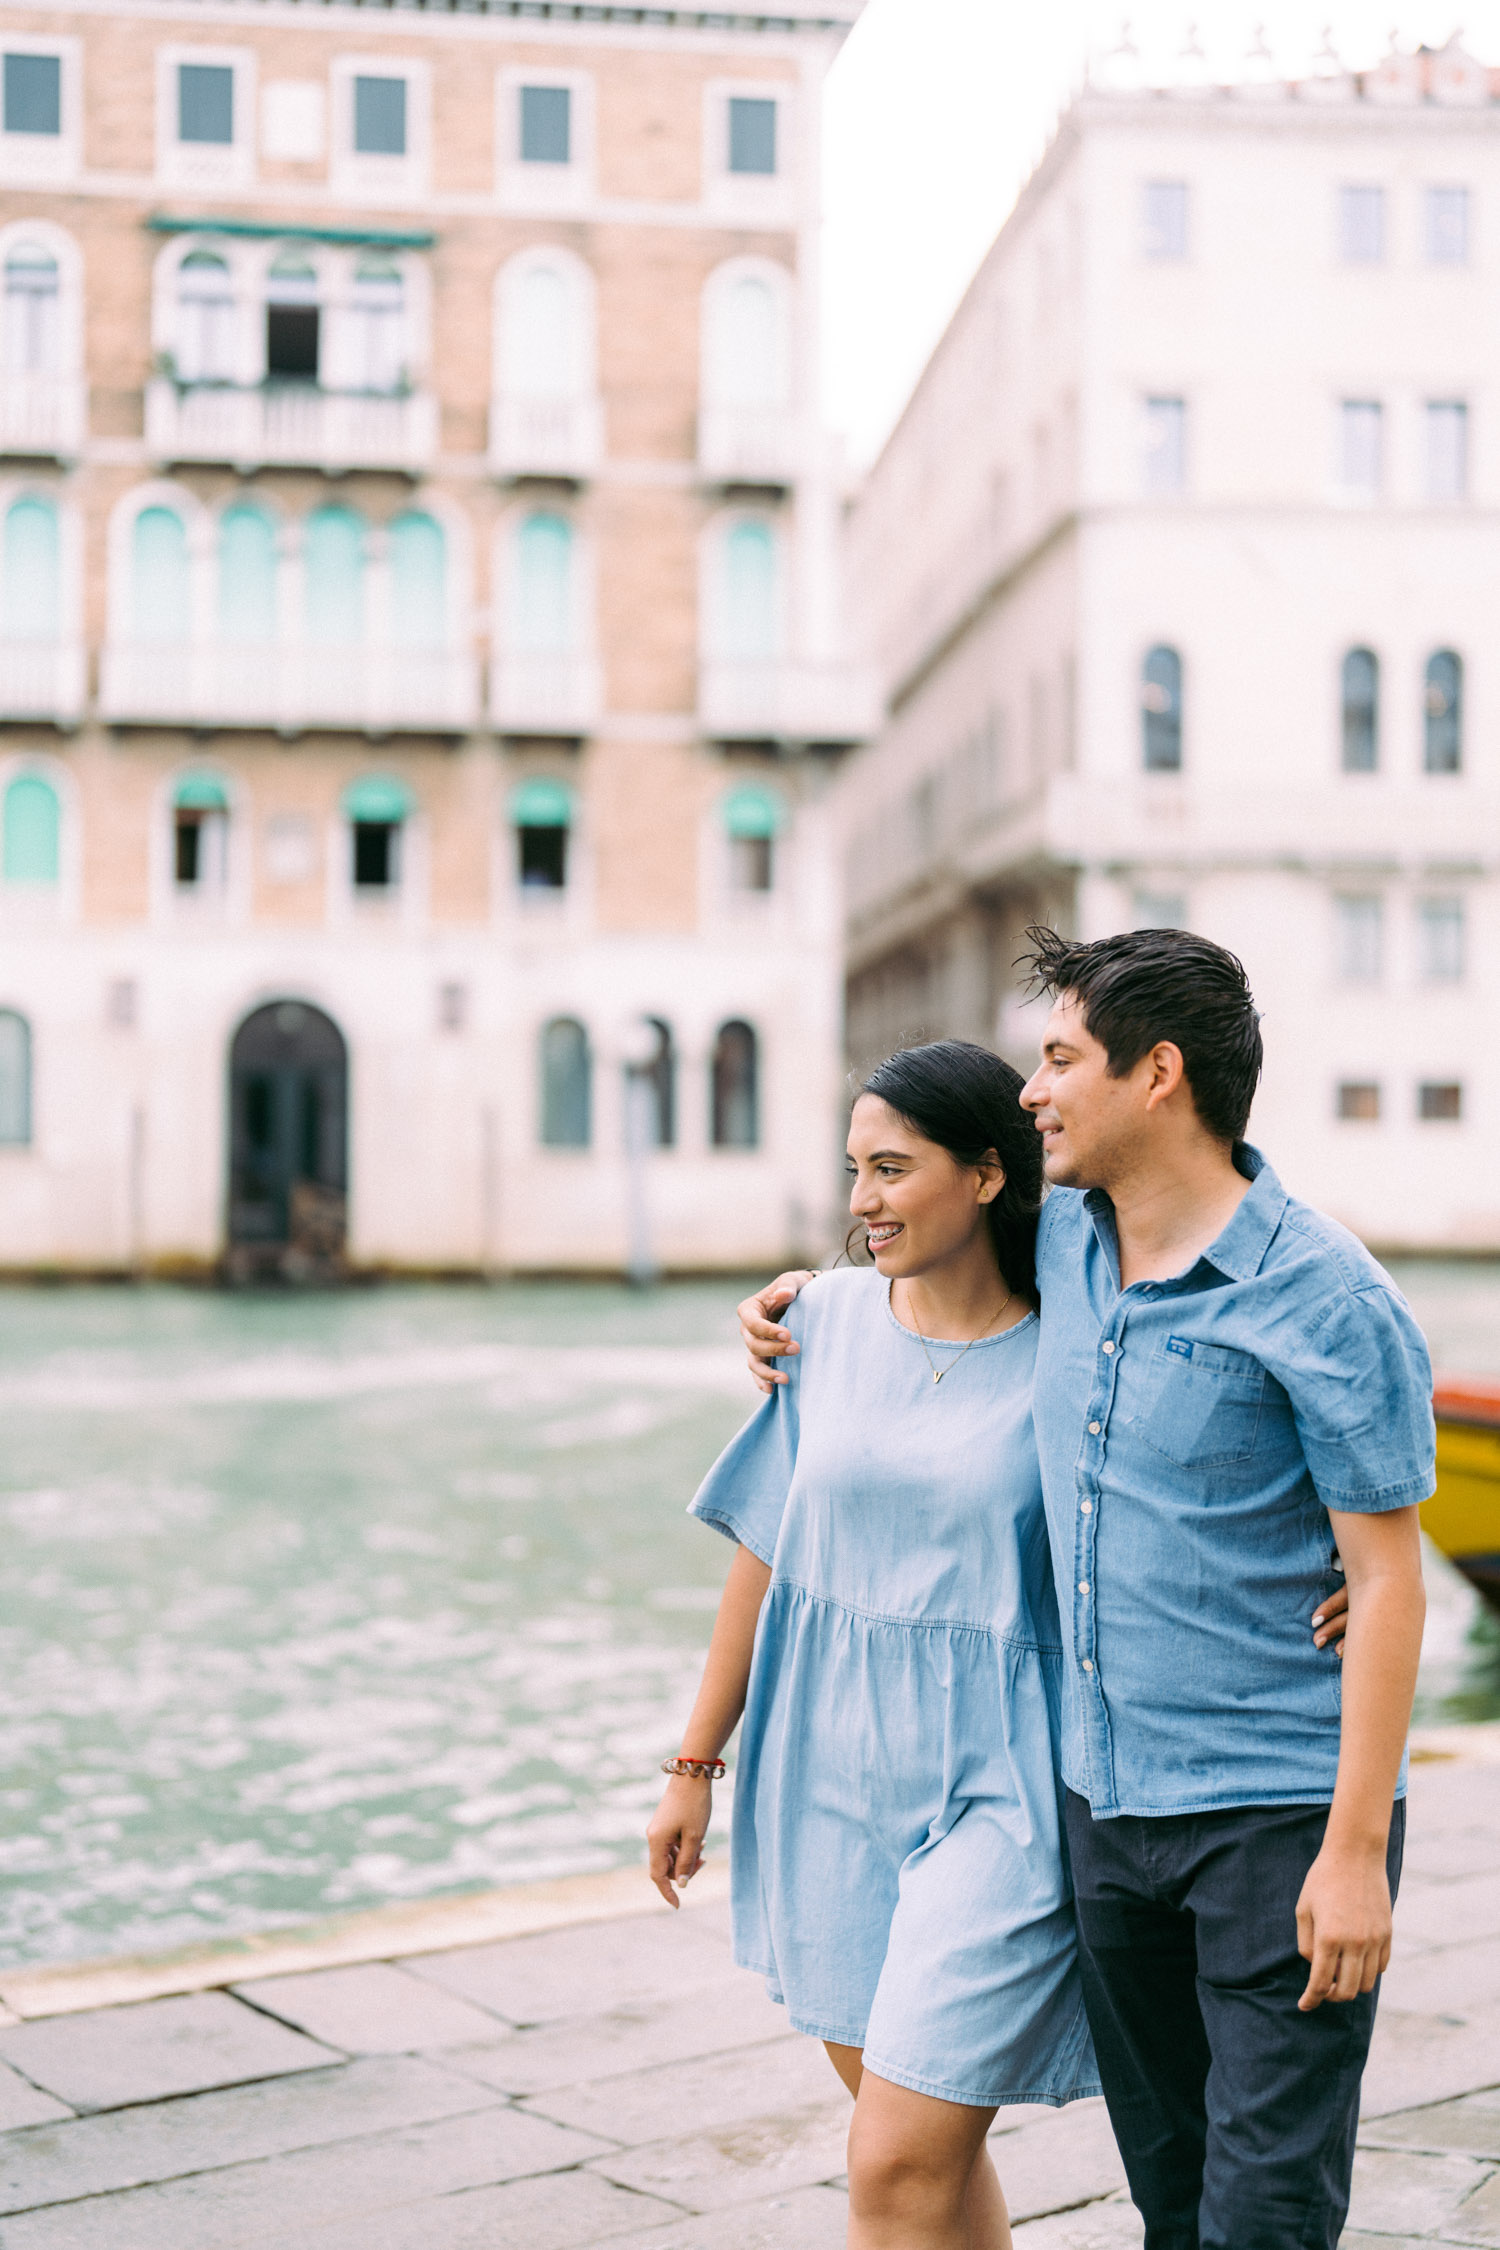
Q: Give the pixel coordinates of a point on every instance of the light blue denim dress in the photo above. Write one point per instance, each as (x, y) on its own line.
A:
(897, 1855)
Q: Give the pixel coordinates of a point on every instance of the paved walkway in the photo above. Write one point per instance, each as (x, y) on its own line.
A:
(559, 2068)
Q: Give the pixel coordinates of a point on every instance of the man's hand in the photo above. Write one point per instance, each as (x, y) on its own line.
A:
(1344, 1924)
(764, 1341)
(1328, 1619)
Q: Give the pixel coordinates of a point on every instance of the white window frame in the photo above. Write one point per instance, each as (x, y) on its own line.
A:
(544, 187)
(370, 178)
(41, 157)
(205, 164)
(751, 195)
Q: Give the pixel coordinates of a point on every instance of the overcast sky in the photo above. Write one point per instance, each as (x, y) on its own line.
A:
(937, 109)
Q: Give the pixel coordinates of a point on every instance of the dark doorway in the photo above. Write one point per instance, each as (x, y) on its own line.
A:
(292, 343)
(288, 1145)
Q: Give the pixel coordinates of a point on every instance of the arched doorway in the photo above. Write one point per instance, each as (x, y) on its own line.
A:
(288, 1144)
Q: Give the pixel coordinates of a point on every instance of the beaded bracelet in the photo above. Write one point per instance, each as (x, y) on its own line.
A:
(696, 1769)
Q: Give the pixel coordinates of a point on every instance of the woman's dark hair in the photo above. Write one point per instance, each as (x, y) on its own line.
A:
(967, 1100)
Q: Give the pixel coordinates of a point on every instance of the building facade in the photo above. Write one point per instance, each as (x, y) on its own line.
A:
(1196, 519)
(420, 660)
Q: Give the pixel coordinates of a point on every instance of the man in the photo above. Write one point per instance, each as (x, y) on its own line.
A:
(1229, 1391)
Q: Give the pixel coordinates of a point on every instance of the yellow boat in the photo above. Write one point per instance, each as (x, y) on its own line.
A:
(1463, 1515)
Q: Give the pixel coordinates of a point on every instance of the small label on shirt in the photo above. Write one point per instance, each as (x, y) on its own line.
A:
(1181, 1345)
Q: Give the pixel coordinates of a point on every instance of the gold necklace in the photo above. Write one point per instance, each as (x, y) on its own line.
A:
(939, 1372)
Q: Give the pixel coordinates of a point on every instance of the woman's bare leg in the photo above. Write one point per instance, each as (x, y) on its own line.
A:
(920, 2177)
(849, 2062)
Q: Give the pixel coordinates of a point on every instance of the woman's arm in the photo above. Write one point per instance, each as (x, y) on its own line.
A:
(681, 1819)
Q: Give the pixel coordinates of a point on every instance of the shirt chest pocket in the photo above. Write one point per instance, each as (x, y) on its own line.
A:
(1201, 1404)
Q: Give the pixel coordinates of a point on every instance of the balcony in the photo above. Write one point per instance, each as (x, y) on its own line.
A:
(546, 437)
(794, 700)
(290, 425)
(561, 695)
(370, 690)
(764, 445)
(42, 680)
(42, 414)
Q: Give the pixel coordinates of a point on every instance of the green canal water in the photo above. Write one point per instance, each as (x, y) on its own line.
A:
(313, 1602)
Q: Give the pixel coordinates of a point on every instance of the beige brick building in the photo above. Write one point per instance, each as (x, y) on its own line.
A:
(420, 656)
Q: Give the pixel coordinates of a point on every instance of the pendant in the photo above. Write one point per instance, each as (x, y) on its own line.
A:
(938, 1373)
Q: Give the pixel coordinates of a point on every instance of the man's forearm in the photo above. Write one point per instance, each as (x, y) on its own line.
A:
(1382, 1649)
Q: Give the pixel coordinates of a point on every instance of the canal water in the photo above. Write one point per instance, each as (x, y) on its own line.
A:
(313, 1602)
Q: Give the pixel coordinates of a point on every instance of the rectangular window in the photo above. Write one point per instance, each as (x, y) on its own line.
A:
(205, 103)
(1362, 225)
(752, 135)
(1440, 1103)
(1447, 449)
(1358, 1101)
(1165, 460)
(1358, 924)
(546, 125)
(33, 94)
(1158, 910)
(379, 116)
(543, 858)
(1446, 226)
(1164, 219)
(751, 862)
(1361, 448)
(377, 853)
(1440, 940)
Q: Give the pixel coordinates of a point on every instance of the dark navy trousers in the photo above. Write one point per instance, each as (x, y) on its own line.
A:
(1234, 2113)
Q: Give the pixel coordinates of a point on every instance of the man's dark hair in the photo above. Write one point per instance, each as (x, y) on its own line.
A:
(1148, 985)
(968, 1101)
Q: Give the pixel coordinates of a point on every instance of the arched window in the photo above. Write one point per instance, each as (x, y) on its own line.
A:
(377, 808)
(378, 326)
(160, 605)
(293, 319)
(567, 1074)
(736, 1088)
(752, 817)
(745, 347)
(334, 564)
(1361, 711)
(651, 1092)
(751, 621)
(15, 1080)
(247, 575)
(30, 572)
(539, 340)
(1443, 713)
(542, 811)
(205, 319)
(200, 832)
(33, 828)
(419, 582)
(33, 311)
(545, 602)
(1161, 711)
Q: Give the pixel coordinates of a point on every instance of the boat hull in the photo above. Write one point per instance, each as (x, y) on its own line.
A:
(1463, 1515)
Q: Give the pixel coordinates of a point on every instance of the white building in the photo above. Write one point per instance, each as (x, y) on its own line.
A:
(1182, 570)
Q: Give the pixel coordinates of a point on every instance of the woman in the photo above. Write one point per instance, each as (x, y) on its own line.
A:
(890, 1633)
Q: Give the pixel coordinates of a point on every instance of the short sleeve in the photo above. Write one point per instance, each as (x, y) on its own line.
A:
(744, 1494)
(1361, 1391)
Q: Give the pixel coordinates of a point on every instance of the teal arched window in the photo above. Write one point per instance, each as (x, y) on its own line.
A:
(542, 811)
(30, 572)
(334, 561)
(15, 1080)
(419, 582)
(30, 850)
(567, 1084)
(376, 807)
(161, 608)
(750, 607)
(544, 607)
(247, 575)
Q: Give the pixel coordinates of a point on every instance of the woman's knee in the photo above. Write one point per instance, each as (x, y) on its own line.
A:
(893, 2172)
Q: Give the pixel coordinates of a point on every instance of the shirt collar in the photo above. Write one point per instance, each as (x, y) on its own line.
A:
(1240, 1249)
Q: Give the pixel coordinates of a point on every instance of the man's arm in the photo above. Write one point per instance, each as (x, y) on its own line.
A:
(1344, 1913)
(763, 1340)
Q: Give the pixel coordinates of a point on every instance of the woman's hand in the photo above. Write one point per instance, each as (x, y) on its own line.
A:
(763, 1340)
(1329, 1617)
(676, 1834)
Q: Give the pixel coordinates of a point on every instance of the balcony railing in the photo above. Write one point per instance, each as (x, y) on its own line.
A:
(41, 414)
(786, 701)
(376, 691)
(546, 694)
(289, 424)
(546, 437)
(42, 680)
(751, 445)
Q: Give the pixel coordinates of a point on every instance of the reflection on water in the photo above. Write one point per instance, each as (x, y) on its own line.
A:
(309, 1603)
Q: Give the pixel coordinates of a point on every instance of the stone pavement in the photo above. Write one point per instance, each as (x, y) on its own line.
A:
(420, 2080)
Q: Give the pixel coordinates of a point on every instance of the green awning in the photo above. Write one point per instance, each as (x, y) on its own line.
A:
(541, 803)
(753, 812)
(260, 230)
(377, 797)
(200, 792)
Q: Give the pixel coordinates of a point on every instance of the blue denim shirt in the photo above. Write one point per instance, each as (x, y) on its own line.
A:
(1193, 1435)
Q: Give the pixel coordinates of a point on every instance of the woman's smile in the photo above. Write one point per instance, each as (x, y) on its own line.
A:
(878, 1232)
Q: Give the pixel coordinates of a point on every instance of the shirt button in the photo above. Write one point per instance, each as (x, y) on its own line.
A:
(1083, 1585)
(1088, 1664)
(1109, 1347)
(1085, 1507)
(1093, 1429)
